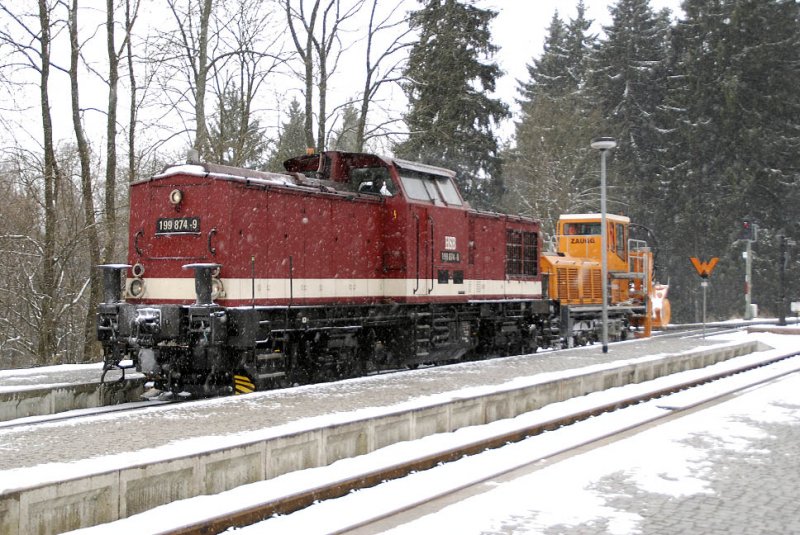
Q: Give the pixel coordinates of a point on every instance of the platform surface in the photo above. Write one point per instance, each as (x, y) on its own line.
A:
(65, 442)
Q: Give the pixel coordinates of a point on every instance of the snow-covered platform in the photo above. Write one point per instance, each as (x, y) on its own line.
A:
(107, 467)
(49, 376)
(54, 389)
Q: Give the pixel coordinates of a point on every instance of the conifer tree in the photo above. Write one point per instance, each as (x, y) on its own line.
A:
(292, 139)
(234, 138)
(735, 113)
(345, 137)
(629, 73)
(548, 172)
(450, 77)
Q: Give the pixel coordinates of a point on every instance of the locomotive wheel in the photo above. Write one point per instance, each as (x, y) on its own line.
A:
(243, 384)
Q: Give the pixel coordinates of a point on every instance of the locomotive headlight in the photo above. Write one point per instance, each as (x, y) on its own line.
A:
(175, 196)
(217, 289)
(136, 288)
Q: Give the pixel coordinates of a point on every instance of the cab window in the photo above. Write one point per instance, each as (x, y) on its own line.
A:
(424, 187)
(582, 229)
(620, 246)
(448, 190)
(374, 180)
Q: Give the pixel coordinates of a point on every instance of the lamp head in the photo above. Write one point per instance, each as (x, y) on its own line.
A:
(604, 143)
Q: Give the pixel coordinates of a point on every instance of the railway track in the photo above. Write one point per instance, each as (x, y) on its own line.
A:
(651, 402)
(691, 330)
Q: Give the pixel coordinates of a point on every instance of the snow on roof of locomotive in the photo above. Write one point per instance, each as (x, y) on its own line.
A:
(422, 168)
(286, 178)
(227, 172)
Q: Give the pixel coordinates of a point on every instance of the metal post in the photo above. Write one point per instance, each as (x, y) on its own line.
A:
(704, 284)
(782, 279)
(604, 247)
(604, 144)
(748, 274)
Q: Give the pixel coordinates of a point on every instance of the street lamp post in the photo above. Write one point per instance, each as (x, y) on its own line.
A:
(604, 144)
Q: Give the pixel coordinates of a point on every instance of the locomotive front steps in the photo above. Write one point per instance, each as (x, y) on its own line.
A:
(55, 506)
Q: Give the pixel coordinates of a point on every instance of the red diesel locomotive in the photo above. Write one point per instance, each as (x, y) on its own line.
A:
(346, 263)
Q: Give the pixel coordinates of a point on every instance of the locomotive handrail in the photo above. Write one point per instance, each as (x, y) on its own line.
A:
(416, 288)
(136, 237)
(212, 249)
(433, 248)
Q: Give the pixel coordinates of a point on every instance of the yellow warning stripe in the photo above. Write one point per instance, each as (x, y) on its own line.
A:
(243, 385)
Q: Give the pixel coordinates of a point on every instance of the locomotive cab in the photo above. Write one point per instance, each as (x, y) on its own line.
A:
(357, 172)
(579, 236)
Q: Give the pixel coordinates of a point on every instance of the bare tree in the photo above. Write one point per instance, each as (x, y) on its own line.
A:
(114, 54)
(249, 60)
(31, 43)
(378, 72)
(87, 192)
(305, 50)
(133, 105)
(185, 53)
(317, 41)
(201, 77)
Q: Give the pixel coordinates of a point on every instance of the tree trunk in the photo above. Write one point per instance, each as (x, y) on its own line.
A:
(111, 137)
(201, 138)
(306, 52)
(133, 109)
(90, 343)
(47, 339)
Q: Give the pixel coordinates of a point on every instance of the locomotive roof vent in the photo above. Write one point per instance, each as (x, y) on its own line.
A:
(192, 157)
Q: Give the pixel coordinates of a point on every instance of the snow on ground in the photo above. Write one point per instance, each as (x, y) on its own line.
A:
(56, 471)
(662, 460)
(675, 460)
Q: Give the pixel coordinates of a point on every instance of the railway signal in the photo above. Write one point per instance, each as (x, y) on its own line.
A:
(748, 233)
(704, 269)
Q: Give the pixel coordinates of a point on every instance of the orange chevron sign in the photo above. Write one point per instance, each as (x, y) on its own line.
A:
(704, 269)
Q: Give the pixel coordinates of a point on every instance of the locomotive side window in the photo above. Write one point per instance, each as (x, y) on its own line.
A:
(448, 190)
(521, 253)
(424, 187)
(621, 241)
(415, 188)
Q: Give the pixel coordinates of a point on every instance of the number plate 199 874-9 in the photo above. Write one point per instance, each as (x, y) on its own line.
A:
(173, 225)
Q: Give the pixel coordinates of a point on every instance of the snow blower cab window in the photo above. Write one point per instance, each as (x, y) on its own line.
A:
(374, 180)
(582, 229)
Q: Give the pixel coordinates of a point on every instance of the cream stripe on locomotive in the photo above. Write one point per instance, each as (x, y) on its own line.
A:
(242, 289)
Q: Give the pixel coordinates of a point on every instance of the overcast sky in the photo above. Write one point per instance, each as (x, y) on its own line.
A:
(521, 27)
